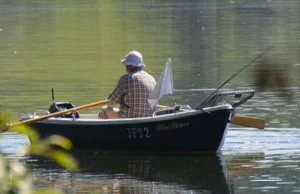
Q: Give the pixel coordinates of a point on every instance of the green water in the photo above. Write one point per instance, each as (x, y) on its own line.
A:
(75, 47)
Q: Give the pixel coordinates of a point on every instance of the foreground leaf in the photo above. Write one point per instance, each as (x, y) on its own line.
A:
(24, 129)
(60, 141)
(65, 160)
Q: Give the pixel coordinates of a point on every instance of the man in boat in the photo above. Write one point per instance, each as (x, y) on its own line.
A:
(131, 92)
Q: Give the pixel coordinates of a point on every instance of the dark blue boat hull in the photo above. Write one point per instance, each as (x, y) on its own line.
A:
(204, 131)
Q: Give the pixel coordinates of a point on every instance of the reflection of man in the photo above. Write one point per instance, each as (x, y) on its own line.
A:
(131, 92)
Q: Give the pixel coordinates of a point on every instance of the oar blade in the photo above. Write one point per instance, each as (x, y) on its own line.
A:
(248, 121)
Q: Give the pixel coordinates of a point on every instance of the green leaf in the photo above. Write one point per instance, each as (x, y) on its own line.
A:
(5, 118)
(65, 160)
(60, 141)
(24, 129)
(35, 149)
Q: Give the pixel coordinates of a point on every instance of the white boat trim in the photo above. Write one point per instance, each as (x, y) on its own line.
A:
(96, 121)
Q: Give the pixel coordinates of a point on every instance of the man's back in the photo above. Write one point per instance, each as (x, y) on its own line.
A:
(133, 90)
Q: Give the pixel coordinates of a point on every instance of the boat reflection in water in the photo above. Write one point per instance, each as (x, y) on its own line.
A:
(131, 172)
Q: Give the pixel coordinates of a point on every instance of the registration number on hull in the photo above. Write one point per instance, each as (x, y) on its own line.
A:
(140, 133)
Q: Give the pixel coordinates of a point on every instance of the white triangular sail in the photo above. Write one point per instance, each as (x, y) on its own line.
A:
(163, 87)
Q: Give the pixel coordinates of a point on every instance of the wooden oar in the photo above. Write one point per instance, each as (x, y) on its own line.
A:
(248, 121)
(58, 113)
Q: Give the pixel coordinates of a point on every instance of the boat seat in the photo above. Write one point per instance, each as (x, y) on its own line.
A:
(163, 110)
(89, 116)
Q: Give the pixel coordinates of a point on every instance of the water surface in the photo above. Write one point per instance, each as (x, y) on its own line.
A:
(75, 47)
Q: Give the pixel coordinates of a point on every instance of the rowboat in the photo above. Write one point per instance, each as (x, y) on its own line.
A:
(178, 128)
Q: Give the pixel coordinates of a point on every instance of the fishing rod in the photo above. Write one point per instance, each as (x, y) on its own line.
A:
(234, 76)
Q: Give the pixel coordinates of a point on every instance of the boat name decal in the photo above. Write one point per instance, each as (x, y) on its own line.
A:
(173, 125)
(142, 133)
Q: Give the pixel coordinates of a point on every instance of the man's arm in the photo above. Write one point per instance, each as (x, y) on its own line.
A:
(115, 96)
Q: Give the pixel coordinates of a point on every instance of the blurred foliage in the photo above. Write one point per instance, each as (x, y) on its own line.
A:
(274, 74)
(15, 176)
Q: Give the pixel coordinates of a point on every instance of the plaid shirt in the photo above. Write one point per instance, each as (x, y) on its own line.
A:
(132, 93)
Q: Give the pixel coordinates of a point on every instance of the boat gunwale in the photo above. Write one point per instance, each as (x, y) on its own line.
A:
(165, 117)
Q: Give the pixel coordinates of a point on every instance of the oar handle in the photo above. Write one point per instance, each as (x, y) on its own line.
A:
(58, 113)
